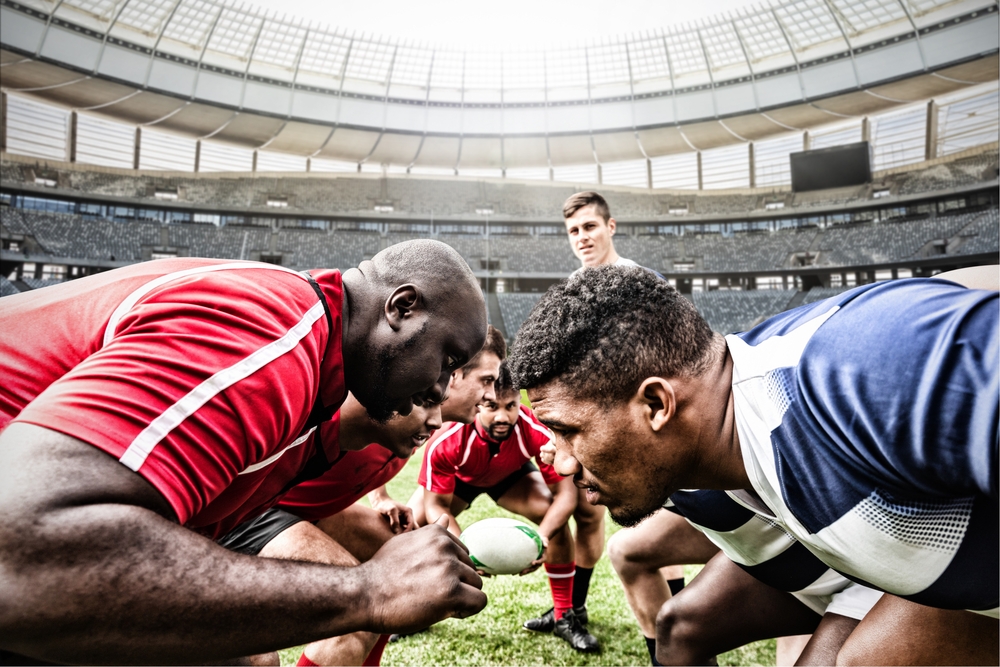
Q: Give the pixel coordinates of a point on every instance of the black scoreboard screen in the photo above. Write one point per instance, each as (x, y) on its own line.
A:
(834, 167)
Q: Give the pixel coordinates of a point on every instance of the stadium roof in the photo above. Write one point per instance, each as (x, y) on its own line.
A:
(209, 70)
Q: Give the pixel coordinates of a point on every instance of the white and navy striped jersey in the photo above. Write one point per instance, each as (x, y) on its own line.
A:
(868, 426)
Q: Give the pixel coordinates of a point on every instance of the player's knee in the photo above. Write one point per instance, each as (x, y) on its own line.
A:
(677, 625)
(589, 521)
(618, 552)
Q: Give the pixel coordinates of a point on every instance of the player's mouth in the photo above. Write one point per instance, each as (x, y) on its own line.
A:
(591, 491)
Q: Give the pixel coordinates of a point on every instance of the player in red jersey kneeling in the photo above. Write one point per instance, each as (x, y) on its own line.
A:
(493, 456)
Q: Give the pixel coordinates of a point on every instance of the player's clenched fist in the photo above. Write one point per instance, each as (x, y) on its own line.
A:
(419, 578)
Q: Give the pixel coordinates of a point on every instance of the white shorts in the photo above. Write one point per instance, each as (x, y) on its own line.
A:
(835, 594)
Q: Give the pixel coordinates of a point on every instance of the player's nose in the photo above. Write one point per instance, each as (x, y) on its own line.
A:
(433, 420)
(565, 464)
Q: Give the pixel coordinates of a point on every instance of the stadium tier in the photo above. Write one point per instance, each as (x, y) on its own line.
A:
(741, 265)
(405, 197)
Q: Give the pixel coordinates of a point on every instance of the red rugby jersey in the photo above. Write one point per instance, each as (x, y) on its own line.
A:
(353, 476)
(197, 374)
(462, 451)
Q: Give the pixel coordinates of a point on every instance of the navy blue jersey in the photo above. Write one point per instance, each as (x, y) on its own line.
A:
(868, 425)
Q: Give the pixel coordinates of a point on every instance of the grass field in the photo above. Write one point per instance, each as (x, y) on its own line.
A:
(495, 637)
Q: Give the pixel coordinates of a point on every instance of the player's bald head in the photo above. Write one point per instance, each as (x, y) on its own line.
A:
(415, 314)
(435, 267)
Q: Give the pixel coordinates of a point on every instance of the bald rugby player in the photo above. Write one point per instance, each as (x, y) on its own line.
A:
(319, 521)
(149, 409)
(864, 426)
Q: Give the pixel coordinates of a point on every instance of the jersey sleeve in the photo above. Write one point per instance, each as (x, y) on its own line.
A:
(201, 381)
(537, 436)
(437, 471)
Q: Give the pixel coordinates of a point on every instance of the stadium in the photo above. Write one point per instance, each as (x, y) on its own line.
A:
(759, 159)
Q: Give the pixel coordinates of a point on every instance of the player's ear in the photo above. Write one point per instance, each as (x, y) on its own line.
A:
(404, 302)
(658, 401)
(611, 225)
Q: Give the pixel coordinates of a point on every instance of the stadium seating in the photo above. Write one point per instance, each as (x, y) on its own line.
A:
(732, 311)
(37, 283)
(451, 198)
(7, 288)
(515, 309)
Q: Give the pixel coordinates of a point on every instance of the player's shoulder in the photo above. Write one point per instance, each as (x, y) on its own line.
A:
(532, 426)
(447, 438)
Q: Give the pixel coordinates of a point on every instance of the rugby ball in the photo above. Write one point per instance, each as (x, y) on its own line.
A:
(502, 546)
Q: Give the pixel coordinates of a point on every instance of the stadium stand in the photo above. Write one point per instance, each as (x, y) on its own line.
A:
(820, 293)
(731, 311)
(450, 198)
(36, 283)
(7, 288)
(981, 235)
(515, 309)
(302, 250)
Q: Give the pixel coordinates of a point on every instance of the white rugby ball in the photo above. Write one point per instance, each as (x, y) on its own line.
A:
(502, 546)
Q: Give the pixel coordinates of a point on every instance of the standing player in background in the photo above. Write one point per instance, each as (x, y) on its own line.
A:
(319, 521)
(493, 456)
(591, 229)
(175, 396)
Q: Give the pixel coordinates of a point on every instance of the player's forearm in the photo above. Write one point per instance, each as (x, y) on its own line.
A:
(93, 579)
(435, 507)
(378, 495)
(90, 563)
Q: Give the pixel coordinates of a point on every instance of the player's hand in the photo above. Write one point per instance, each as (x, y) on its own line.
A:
(535, 564)
(419, 578)
(547, 454)
(399, 516)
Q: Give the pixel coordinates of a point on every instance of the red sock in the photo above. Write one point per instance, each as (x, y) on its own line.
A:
(305, 662)
(561, 582)
(375, 656)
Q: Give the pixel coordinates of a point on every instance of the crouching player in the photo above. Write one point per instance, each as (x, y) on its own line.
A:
(318, 520)
(370, 455)
(493, 456)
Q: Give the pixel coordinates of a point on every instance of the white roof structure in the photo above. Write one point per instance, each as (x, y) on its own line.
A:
(207, 70)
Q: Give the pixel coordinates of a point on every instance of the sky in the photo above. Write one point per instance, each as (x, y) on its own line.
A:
(499, 25)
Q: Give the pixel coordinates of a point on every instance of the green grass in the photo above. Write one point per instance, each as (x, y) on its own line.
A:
(495, 637)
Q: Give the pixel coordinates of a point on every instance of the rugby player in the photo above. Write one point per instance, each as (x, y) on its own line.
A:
(864, 426)
(590, 229)
(493, 456)
(165, 403)
(318, 520)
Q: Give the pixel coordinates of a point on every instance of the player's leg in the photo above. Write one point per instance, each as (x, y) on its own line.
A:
(790, 649)
(530, 497)
(359, 529)
(304, 541)
(416, 503)
(900, 632)
(524, 493)
(648, 556)
(589, 548)
(722, 609)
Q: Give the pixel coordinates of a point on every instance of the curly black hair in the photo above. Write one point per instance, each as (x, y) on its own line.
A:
(504, 384)
(605, 330)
